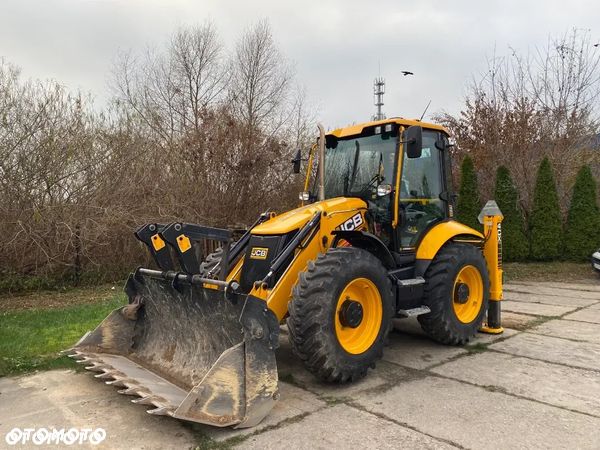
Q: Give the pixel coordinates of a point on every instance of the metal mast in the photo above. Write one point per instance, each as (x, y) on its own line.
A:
(378, 91)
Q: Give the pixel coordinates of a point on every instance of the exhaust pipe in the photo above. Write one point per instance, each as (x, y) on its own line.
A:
(321, 162)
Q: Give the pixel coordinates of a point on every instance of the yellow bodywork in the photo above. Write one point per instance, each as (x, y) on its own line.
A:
(357, 129)
(442, 233)
(334, 213)
(493, 254)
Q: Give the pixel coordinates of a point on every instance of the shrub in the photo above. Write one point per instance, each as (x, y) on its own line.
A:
(515, 246)
(582, 231)
(545, 223)
(469, 204)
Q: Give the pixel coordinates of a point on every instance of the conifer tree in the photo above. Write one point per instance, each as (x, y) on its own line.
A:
(545, 224)
(582, 231)
(468, 205)
(515, 246)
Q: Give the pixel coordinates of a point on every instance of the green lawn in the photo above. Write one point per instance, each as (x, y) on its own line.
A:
(550, 271)
(32, 339)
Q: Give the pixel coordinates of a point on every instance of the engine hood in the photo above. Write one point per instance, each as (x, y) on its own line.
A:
(296, 218)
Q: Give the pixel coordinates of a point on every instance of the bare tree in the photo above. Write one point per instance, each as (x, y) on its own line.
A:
(530, 106)
(200, 71)
(169, 90)
(261, 79)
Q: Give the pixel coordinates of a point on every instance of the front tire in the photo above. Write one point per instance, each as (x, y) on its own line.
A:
(340, 314)
(457, 290)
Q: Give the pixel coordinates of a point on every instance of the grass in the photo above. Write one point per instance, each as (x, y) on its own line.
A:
(36, 326)
(550, 271)
(11, 283)
(31, 339)
(57, 298)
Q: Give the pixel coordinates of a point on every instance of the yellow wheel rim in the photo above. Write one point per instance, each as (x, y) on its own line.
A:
(467, 302)
(359, 339)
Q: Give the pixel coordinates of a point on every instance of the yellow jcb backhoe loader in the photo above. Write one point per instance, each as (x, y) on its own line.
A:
(374, 239)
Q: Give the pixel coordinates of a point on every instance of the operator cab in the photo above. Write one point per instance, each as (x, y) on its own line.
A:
(367, 165)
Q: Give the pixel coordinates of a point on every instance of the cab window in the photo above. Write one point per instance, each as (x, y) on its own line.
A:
(420, 188)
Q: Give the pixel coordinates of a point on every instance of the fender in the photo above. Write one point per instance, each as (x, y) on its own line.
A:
(437, 236)
(367, 241)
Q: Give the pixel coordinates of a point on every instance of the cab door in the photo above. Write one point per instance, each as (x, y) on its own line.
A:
(423, 193)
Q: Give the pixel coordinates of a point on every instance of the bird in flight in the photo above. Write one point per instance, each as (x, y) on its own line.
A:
(406, 72)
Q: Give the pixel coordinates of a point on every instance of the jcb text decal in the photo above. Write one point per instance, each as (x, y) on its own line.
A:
(352, 223)
(259, 253)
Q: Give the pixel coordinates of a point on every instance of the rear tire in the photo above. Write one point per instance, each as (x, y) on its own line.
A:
(332, 343)
(210, 263)
(455, 315)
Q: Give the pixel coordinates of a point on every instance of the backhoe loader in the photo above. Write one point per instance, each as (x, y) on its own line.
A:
(374, 239)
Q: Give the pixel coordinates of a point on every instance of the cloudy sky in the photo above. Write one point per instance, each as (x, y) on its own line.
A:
(336, 47)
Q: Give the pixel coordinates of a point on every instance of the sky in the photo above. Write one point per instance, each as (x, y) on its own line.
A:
(337, 47)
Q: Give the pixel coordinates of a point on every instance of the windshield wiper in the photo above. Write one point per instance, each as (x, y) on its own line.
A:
(377, 179)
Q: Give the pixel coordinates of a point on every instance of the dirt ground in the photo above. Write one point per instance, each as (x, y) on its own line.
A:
(535, 386)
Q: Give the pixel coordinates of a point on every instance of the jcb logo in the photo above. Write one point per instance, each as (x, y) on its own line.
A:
(352, 223)
(259, 253)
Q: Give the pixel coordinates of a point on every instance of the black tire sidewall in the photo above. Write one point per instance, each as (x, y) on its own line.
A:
(441, 323)
(311, 322)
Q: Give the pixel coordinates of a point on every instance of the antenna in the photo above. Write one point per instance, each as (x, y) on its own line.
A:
(426, 108)
(378, 91)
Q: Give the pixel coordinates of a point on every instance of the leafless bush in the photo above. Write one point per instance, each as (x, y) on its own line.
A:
(528, 107)
(192, 135)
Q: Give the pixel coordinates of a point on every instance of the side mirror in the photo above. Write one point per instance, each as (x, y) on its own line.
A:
(413, 138)
(383, 190)
(296, 162)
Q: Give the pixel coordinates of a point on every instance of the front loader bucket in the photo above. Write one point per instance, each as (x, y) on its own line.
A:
(188, 351)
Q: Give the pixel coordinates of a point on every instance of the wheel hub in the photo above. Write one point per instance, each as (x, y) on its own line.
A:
(461, 293)
(351, 313)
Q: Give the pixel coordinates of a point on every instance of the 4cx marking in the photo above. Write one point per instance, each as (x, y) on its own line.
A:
(352, 223)
(259, 253)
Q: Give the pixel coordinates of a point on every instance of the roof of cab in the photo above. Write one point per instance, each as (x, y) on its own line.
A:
(353, 130)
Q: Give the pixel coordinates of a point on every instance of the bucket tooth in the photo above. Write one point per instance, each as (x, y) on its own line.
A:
(160, 411)
(118, 382)
(85, 360)
(131, 391)
(97, 367)
(76, 355)
(147, 400)
(106, 375)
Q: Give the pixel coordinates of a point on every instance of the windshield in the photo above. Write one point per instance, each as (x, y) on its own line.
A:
(355, 167)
